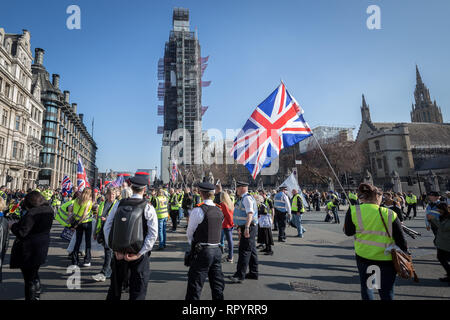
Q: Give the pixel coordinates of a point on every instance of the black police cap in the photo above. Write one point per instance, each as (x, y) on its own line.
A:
(206, 186)
(434, 194)
(139, 181)
(282, 188)
(241, 184)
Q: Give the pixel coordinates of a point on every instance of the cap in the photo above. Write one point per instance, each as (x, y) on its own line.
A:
(282, 188)
(434, 194)
(206, 186)
(139, 181)
(241, 184)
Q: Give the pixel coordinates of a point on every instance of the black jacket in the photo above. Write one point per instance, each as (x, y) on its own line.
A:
(4, 234)
(32, 233)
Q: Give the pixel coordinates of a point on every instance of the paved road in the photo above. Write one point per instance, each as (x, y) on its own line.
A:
(321, 266)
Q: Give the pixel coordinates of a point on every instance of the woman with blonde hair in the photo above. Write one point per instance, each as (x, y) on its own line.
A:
(81, 213)
(227, 207)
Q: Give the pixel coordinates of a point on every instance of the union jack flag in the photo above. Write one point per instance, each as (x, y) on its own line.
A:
(66, 186)
(81, 176)
(174, 171)
(275, 124)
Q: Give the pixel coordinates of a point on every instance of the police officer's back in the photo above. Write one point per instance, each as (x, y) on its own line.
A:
(203, 233)
(131, 231)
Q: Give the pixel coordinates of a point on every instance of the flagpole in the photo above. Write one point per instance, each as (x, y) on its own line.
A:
(329, 164)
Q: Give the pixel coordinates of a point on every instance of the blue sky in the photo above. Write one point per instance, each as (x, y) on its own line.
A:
(322, 50)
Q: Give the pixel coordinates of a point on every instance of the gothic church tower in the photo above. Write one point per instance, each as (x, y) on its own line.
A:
(424, 110)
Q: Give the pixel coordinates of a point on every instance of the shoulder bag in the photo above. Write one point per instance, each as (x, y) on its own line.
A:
(402, 262)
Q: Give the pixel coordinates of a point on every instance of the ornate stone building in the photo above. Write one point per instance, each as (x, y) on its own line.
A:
(414, 150)
(424, 110)
(64, 135)
(21, 113)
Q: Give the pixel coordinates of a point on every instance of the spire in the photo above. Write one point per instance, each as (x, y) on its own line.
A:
(365, 111)
(418, 77)
(364, 104)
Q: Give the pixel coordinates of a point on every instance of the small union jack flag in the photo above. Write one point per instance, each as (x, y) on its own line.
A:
(174, 171)
(81, 176)
(66, 186)
(276, 123)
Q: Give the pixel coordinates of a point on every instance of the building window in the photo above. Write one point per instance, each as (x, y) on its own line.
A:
(14, 151)
(377, 145)
(399, 162)
(21, 151)
(7, 90)
(380, 164)
(5, 118)
(17, 123)
(2, 146)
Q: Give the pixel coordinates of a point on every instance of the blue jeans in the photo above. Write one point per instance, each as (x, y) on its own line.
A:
(336, 215)
(228, 233)
(180, 215)
(297, 220)
(387, 279)
(162, 223)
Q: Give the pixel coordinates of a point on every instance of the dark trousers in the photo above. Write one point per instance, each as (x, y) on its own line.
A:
(85, 228)
(138, 272)
(281, 220)
(353, 202)
(412, 206)
(387, 280)
(275, 221)
(174, 217)
(106, 269)
(32, 283)
(248, 255)
(443, 257)
(208, 263)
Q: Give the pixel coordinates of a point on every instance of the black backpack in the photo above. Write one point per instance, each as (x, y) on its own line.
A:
(129, 227)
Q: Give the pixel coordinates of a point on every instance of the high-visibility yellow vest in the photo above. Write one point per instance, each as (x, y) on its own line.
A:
(296, 202)
(330, 205)
(174, 204)
(411, 200)
(352, 196)
(100, 214)
(78, 211)
(371, 238)
(47, 194)
(62, 215)
(161, 207)
(56, 202)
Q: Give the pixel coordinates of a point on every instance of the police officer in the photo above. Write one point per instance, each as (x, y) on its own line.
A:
(203, 233)
(136, 266)
(245, 216)
(282, 208)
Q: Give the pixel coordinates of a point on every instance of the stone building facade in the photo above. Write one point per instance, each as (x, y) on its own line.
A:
(64, 135)
(21, 113)
(415, 150)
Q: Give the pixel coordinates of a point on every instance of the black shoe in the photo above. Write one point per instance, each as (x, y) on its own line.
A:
(261, 246)
(282, 240)
(235, 280)
(251, 276)
(160, 248)
(268, 253)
